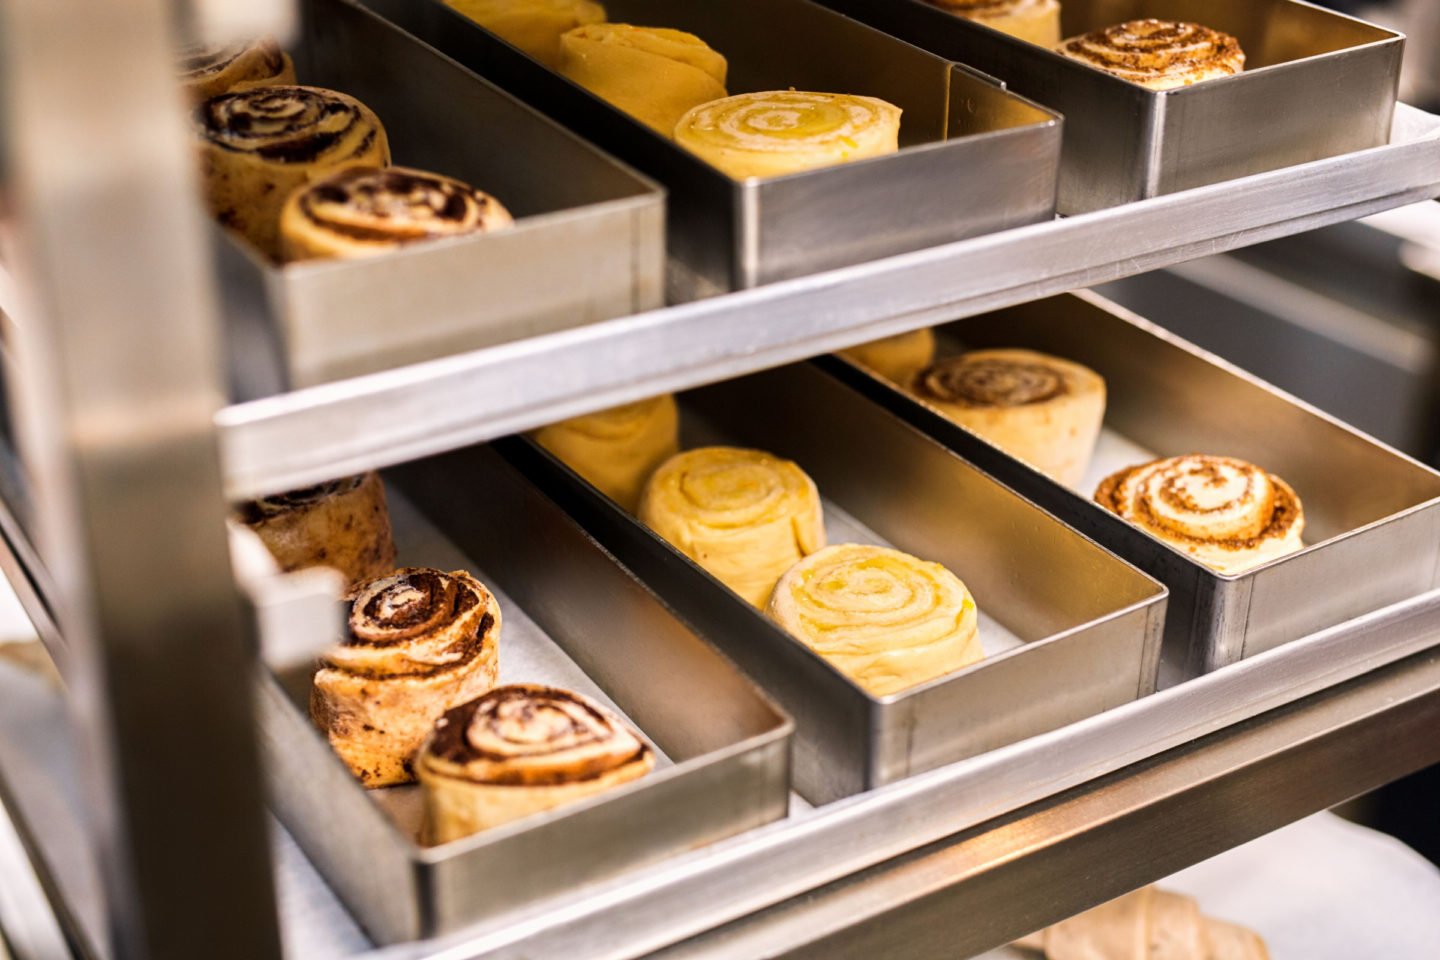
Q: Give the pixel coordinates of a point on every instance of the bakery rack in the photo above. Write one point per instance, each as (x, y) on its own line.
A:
(121, 427)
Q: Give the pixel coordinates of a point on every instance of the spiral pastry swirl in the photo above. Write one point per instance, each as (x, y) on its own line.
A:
(363, 211)
(618, 449)
(896, 358)
(535, 26)
(785, 131)
(1228, 514)
(344, 524)
(419, 642)
(1159, 54)
(519, 750)
(652, 73)
(887, 620)
(1037, 21)
(744, 515)
(208, 71)
(261, 144)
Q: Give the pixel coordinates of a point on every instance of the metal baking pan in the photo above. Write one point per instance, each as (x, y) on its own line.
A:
(1068, 629)
(572, 618)
(588, 242)
(1372, 514)
(974, 159)
(1317, 84)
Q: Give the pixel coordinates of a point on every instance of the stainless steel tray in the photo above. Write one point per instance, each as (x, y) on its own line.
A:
(575, 618)
(1372, 514)
(587, 245)
(1053, 605)
(974, 159)
(1317, 84)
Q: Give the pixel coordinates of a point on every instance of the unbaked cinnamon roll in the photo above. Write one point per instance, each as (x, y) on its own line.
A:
(519, 750)
(419, 642)
(1228, 514)
(1159, 54)
(1037, 21)
(208, 71)
(618, 449)
(1038, 408)
(362, 211)
(261, 144)
(896, 358)
(343, 524)
(652, 73)
(535, 26)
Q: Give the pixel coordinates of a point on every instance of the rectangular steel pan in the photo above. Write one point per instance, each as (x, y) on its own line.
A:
(1317, 84)
(1088, 625)
(974, 159)
(1372, 514)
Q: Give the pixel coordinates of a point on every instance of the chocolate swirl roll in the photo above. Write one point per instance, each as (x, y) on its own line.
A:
(1037, 21)
(362, 211)
(343, 524)
(1228, 514)
(1041, 409)
(419, 641)
(208, 71)
(260, 145)
(1159, 54)
(519, 750)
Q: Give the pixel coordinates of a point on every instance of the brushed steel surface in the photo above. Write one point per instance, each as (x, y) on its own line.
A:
(29, 929)
(306, 436)
(1078, 611)
(974, 159)
(588, 242)
(1316, 84)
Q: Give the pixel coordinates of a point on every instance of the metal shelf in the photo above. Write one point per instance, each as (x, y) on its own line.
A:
(309, 435)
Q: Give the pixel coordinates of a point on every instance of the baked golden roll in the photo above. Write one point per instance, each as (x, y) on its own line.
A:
(1159, 54)
(1228, 514)
(652, 73)
(519, 750)
(1038, 408)
(420, 642)
(363, 211)
(343, 524)
(785, 131)
(898, 358)
(262, 144)
(1037, 21)
(535, 26)
(1149, 924)
(618, 449)
(887, 620)
(744, 515)
(208, 71)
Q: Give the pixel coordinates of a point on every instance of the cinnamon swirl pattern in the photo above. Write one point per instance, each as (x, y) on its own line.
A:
(207, 71)
(786, 131)
(1037, 21)
(1228, 514)
(886, 619)
(896, 358)
(1159, 54)
(744, 515)
(261, 144)
(363, 211)
(617, 450)
(419, 642)
(1038, 408)
(519, 750)
(535, 26)
(652, 73)
(343, 524)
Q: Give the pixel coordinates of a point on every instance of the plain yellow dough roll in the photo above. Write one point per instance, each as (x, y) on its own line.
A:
(535, 26)
(744, 515)
(886, 619)
(786, 131)
(652, 73)
(618, 449)
(1035, 20)
(896, 358)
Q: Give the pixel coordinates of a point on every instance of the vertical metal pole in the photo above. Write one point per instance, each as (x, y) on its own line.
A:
(120, 357)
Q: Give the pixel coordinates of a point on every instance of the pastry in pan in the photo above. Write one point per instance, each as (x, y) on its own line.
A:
(1037, 21)
(208, 71)
(343, 524)
(535, 26)
(618, 449)
(652, 73)
(1159, 54)
(1149, 924)
(896, 358)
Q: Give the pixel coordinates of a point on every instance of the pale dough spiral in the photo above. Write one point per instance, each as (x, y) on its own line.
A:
(652, 73)
(535, 26)
(1037, 21)
(618, 449)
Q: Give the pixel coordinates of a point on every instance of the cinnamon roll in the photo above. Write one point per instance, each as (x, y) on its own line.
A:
(343, 524)
(1228, 514)
(652, 73)
(897, 358)
(617, 450)
(786, 131)
(1038, 408)
(743, 515)
(887, 620)
(261, 144)
(1037, 21)
(519, 750)
(419, 642)
(535, 26)
(1159, 54)
(208, 71)
(362, 211)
